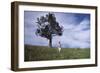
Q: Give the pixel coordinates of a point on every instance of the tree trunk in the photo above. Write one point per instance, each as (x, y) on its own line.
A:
(50, 42)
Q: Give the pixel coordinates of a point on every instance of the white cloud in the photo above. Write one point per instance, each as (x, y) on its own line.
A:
(74, 36)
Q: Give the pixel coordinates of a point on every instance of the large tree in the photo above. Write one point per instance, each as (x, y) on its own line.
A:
(48, 27)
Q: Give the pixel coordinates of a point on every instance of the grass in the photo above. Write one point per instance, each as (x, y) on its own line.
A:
(39, 53)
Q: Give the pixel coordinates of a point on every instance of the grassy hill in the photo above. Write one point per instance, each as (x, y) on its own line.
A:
(39, 53)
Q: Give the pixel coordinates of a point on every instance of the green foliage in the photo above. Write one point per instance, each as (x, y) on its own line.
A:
(39, 53)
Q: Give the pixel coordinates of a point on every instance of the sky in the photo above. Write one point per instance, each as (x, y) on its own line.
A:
(76, 29)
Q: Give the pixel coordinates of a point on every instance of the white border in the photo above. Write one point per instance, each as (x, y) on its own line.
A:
(34, 64)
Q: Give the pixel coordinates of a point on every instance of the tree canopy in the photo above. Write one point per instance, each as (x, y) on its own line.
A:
(48, 27)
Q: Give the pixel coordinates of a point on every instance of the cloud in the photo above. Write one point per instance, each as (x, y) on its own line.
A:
(75, 35)
(76, 30)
